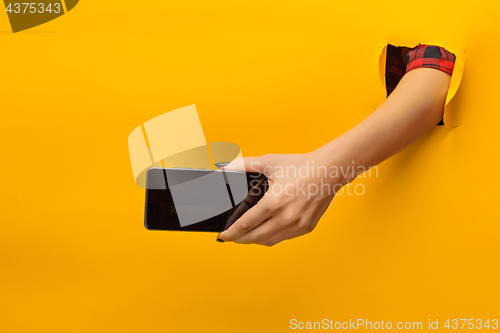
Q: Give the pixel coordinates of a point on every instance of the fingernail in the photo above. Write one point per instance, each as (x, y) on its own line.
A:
(220, 240)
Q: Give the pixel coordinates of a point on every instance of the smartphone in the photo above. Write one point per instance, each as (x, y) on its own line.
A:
(198, 199)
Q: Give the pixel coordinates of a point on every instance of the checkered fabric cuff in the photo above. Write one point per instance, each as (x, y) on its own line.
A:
(429, 56)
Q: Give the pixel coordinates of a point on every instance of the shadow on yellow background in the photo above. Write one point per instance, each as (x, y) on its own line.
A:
(273, 77)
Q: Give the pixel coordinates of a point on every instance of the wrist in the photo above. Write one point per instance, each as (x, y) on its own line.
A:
(338, 159)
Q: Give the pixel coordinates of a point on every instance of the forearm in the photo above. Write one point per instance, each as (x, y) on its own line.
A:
(413, 108)
(294, 204)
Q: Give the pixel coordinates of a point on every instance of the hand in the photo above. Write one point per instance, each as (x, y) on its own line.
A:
(298, 195)
(296, 201)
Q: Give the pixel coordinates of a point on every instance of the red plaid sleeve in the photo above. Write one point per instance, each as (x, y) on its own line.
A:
(401, 60)
(429, 56)
(395, 66)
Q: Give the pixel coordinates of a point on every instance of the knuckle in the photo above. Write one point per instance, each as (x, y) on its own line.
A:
(289, 219)
(285, 223)
(255, 239)
(306, 228)
(273, 202)
(244, 226)
(267, 208)
(310, 227)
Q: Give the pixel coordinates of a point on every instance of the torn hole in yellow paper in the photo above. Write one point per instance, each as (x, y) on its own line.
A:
(450, 117)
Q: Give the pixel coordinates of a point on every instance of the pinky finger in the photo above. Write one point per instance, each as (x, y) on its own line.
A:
(296, 230)
(288, 233)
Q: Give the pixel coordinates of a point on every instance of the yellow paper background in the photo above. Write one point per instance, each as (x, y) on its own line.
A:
(272, 77)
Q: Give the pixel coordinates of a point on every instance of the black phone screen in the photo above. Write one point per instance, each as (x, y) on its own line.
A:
(200, 200)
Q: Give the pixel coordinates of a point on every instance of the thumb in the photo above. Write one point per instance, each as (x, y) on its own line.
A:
(250, 164)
